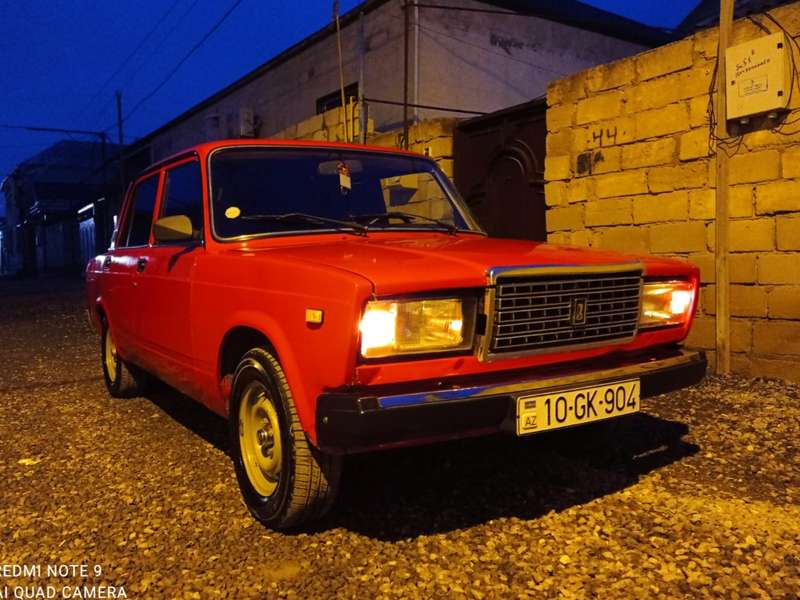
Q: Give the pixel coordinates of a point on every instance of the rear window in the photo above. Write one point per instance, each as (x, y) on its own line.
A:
(140, 215)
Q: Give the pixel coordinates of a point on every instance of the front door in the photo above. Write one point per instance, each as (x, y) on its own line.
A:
(166, 282)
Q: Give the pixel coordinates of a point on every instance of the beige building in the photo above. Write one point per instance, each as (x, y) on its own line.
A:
(630, 167)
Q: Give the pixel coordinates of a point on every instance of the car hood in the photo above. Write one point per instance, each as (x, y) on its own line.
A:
(397, 265)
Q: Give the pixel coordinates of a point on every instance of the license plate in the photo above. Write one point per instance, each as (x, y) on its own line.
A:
(564, 408)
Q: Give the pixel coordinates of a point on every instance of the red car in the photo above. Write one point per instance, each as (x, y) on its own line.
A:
(331, 299)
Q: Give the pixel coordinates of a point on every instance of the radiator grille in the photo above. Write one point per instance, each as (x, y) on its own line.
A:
(538, 313)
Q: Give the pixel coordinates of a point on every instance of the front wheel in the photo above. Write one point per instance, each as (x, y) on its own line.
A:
(284, 480)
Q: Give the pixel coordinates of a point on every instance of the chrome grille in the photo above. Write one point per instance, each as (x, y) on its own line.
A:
(536, 313)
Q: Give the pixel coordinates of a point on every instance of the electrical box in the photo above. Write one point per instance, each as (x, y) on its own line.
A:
(759, 74)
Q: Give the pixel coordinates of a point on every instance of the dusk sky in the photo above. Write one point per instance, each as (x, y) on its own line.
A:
(62, 60)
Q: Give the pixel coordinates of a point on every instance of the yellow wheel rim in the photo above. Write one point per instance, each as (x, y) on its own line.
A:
(260, 439)
(111, 357)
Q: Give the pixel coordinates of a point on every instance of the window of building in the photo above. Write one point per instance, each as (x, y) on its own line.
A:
(183, 194)
(334, 99)
(140, 215)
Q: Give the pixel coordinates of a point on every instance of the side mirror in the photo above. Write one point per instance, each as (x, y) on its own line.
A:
(176, 228)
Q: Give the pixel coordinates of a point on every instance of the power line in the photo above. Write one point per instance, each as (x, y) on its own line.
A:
(124, 63)
(186, 57)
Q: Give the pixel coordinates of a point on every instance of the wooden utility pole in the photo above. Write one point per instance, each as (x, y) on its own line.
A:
(406, 15)
(118, 95)
(723, 320)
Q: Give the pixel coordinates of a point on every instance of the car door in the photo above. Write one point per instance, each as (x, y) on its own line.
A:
(165, 286)
(121, 266)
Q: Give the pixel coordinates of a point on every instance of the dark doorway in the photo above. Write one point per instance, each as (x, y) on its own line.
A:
(499, 170)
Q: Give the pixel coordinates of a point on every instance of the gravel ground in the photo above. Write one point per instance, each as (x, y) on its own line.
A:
(698, 496)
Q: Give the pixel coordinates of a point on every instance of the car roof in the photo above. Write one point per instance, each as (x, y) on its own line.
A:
(206, 148)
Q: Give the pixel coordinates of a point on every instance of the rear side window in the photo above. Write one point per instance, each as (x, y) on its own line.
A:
(183, 195)
(140, 216)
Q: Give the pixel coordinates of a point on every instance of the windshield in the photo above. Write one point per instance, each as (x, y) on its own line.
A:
(256, 191)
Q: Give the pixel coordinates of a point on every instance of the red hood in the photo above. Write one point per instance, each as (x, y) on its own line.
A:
(423, 262)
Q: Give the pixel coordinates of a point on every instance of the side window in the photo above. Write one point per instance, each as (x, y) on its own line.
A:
(140, 215)
(183, 195)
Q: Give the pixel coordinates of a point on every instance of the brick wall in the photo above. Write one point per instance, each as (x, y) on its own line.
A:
(432, 138)
(628, 168)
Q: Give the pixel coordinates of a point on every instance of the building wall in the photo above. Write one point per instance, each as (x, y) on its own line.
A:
(628, 168)
(471, 61)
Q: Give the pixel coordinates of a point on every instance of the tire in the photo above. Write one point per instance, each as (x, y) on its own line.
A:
(284, 480)
(122, 380)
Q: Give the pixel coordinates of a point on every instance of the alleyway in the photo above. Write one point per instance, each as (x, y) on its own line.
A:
(698, 496)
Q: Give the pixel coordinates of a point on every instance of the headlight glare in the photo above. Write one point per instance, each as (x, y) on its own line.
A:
(396, 327)
(666, 303)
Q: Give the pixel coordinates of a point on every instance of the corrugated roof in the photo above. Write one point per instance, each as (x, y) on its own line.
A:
(706, 13)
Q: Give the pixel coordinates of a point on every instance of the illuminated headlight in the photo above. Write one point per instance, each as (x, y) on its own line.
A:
(666, 303)
(395, 327)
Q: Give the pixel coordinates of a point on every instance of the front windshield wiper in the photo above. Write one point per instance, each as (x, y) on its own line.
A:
(406, 218)
(350, 226)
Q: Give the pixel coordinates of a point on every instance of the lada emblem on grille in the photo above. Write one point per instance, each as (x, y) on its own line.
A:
(577, 312)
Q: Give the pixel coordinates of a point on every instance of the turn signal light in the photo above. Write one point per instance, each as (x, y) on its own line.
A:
(666, 303)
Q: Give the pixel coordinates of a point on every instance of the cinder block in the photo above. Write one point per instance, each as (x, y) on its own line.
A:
(740, 200)
(648, 154)
(610, 75)
(790, 162)
(560, 117)
(783, 302)
(604, 134)
(672, 206)
(779, 268)
(662, 121)
(606, 160)
(777, 196)
(584, 237)
(754, 166)
(741, 335)
(626, 183)
(599, 107)
(653, 94)
(566, 90)
(748, 301)
(611, 211)
(439, 147)
(694, 144)
(701, 204)
(678, 237)
(760, 366)
(306, 129)
(561, 238)
(788, 232)
(555, 193)
(776, 337)
(698, 112)
(702, 333)
(708, 300)
(579, 189)
(565, 218)
(665, 59)
(705, 262)
(742, 268)
(624, 239)
(751, 235)
(556, 167)
(685, 176)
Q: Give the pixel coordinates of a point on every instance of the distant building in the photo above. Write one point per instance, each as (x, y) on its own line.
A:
(478, 56)
(40, 232)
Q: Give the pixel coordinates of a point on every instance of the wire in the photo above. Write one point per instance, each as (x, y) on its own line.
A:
(117, 71)
(186, 57)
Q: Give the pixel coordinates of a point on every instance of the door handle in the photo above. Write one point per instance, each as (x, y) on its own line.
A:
(106, 263)
(141, 264)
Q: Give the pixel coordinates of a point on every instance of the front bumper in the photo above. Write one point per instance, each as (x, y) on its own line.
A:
(358, 419)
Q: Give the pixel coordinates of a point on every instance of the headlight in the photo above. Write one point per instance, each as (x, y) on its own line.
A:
(393, 327)
(666, 303)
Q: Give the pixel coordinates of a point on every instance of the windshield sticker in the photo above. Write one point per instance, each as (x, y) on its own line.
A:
(232, 212)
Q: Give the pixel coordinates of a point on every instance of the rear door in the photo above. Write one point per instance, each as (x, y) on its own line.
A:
(121, 267)
(166, 281)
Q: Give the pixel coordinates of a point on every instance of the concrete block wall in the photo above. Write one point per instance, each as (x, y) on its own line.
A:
(628, 167)
(432, 137)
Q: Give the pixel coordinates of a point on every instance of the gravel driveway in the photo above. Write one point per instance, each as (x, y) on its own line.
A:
(698, 496)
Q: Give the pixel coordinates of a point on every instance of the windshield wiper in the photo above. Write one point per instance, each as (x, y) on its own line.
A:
(406, 218)
(350, 226)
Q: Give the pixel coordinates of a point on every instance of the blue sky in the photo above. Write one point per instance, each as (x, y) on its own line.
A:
(57, 56)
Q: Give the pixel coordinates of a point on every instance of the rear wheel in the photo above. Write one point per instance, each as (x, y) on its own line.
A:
(284, 480)
(122, 380)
